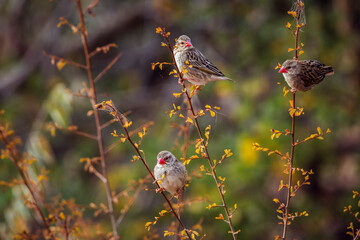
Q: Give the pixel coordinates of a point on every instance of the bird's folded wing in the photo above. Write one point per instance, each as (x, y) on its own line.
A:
(199, 61)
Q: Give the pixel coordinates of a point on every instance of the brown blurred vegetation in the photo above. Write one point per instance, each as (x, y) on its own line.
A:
(246, 40)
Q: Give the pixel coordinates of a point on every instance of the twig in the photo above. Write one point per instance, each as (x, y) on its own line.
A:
(53, 57)
(107, 67)
(93, 101)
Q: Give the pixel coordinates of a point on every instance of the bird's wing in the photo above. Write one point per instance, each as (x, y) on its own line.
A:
(314, 72)
(199, 61)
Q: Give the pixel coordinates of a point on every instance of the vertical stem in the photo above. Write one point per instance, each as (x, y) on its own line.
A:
(298, 26)
(291, 161)
(219, 186)
(93, 100)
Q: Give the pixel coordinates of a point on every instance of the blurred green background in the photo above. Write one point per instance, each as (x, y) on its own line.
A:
(246, 40)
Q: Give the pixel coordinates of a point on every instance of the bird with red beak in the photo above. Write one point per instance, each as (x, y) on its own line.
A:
(305, 74)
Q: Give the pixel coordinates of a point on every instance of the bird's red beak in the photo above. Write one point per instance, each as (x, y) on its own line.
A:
(161, 161)
(188, 43)
(282, 70)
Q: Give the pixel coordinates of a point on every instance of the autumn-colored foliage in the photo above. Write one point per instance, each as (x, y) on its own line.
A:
(99, 182)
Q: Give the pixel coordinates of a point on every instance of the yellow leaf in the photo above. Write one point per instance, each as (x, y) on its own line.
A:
(208, 106)
(278, 66)
(292, 13)
(158, 30)
(62, 216)
(220, 217)
(189, 120)
(167, 233)
(301, 52)
(177, 94)
(60, 64)
(319, 130)
(290, 49)
(291, 103)
(212, 113)
(288, 25)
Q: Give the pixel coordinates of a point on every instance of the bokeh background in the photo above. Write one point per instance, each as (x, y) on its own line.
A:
(246, 40)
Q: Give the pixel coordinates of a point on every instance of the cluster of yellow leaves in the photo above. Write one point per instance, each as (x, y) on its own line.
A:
(121, 136)
(277, 133)
(295, 111)
(162, 31)
(319, 135)
(153, 65)
(210, 109)
(299, 48)
(352, 230)
(292, 13)
(278, 66)
(188, 160)
(161, 214)
(290, 216)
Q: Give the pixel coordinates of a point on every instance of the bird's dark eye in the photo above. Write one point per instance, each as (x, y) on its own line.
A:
(289, 67)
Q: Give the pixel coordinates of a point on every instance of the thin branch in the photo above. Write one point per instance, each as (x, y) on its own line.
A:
(103, 49)
(103, 72)
(53, 58)
(93, 101)
(291, 161)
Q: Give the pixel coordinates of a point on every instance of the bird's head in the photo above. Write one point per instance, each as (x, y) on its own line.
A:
(183, 43)
(165, 157)
(289, 66)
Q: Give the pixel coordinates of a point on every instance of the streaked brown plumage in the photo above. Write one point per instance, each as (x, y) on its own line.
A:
(305, 74)
(202, 70)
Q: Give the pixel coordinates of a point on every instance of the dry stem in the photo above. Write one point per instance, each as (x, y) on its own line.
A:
(291, 161)
(93, 101)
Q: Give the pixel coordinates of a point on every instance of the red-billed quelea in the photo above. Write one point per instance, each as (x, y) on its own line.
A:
(305, 74)
(194, 65)
(170, 173)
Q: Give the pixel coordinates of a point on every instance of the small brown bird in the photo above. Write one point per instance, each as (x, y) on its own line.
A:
(197, 69)
(170, 173)
(305, 74)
